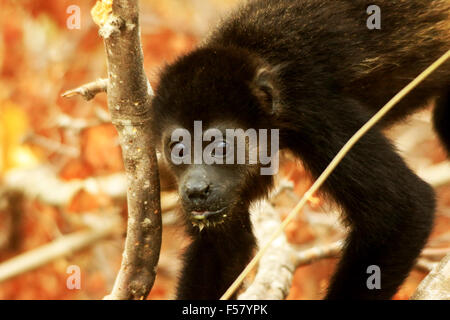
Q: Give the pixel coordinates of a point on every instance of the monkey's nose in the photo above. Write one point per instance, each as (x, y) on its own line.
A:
(197, 190)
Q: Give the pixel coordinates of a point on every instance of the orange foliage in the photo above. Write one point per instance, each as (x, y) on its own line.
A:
(56, 10)
(31, 81)
(76, 169)
(84, 201)
(164, 46)
(100, 149)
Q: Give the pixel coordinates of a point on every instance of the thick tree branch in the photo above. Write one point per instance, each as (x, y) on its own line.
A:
(273, 278)
(129, 100)
(276, 269)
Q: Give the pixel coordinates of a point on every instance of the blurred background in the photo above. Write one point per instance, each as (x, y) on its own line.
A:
(61, 171)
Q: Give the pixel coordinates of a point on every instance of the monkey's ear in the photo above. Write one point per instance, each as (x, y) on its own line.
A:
(265, 89)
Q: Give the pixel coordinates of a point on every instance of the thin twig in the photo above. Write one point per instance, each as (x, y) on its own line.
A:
(89, 90)
(331, 250)
(76, 124)
(435, 253)
(52, 145)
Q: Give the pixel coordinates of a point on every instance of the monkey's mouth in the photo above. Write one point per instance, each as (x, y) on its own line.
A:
(205, 218)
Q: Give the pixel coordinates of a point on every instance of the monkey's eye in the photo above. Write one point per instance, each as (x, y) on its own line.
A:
(178, 150)
(220, 149)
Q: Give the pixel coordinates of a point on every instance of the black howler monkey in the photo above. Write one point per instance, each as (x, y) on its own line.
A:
(315, 71)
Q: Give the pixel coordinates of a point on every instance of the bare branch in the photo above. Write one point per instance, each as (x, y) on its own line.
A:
(437, 175)
(274, 276)
(89, 90)
(327, 251)
(425, 265)
(273, 279)
(283, 185)
(61, 247)
(435, 253)
(129, 100)
(435, 286)
(78, 124)
(42, 182)
(52, 145)
(276, 268)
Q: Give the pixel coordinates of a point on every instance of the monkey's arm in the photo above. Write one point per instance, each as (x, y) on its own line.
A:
(214, 260)
(389, 209)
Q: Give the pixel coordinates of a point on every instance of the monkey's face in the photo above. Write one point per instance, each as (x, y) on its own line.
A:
(199, 99)
(218, 172)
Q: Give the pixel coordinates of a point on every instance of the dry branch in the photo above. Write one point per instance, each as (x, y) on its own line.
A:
(89, 90)
(425, 265)
(273, 279)
(129, 100)
(274, 276)
(436, 286)
(59, 248)
(437, 175)
(78, 124)
(327, 251)
(43, 183)
(52, 145)
(435, 253)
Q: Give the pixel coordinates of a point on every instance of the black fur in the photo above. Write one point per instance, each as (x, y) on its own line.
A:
(441, 118)
(314, 70)
(215, 259)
